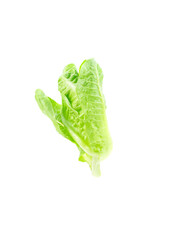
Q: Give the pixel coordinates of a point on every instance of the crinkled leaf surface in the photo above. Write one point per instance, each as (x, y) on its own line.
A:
(81, 118)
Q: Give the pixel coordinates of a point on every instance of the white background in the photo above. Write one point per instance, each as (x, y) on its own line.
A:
(144, 49)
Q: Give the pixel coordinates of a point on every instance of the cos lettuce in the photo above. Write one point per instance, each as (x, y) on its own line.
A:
(81, 118)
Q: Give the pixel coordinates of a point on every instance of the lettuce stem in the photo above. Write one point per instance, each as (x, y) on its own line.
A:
(96, 167)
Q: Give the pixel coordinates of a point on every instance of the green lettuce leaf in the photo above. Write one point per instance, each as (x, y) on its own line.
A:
(82, 116)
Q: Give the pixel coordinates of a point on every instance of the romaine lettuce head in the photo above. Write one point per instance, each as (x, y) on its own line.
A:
(81, 118)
